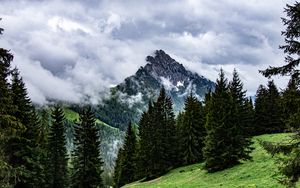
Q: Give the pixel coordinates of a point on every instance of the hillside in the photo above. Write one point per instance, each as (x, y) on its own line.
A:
(261, 172)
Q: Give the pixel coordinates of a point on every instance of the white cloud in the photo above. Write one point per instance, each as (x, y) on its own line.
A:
(69, 49)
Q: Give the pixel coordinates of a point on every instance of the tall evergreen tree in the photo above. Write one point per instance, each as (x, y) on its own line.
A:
(222, 129)
(290, 103)
(157, 138)
(57, 151)
(87, 164)
(125, 169)
(6, 106)
(290, 167)
(260, 111)
(250, 120)
(192, 131)
(243, 117)
(9, 125)
(164, 135)
(24, 149)
(144, 159)
(268, 112)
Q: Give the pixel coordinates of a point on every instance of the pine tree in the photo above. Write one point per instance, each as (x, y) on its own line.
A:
(23, 148)
(192, 131)
(243, 118)
(250, 120)
(268, 112)
(164, 135)
(260, 111)
(6, 106)
(87, 164)
(9, 125)
(145, 130)
(221, 127)
(290, 103)
(290, 167)
(118, 168)
(57, 151)
(126, 163)
(157, 138)
(179, 128)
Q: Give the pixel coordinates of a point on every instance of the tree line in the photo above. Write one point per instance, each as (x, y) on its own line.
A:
(216, 131)
(35, 155)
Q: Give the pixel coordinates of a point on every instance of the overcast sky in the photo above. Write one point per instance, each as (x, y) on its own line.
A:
(66, 49)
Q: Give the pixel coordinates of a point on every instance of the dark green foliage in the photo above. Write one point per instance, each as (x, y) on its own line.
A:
(126, 161)
(268, 112)
(289, 162)
(243, 117)
(225, 144)
(291, 46)
(57, 151)
(192, 131)
(87, 164)
(20, 98)
(10, 126)
(145, 144)
(6, 106)
(260, 110)
(23, 148)
(109, 112)
(290, 102)
(158, 137)
(249, 118)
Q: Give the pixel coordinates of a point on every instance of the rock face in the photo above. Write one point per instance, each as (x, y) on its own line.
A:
(162, 70)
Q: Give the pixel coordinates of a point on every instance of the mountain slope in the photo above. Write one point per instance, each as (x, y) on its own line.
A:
(130, 98)
(257, 173)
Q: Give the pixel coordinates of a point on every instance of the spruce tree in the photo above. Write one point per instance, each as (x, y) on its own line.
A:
(118, 168)
(250, 114)
(221, 127)
(157, 138)
(268, 112)
(164, 136)
(192, 131)
(125, 168)
(57, 151)
(8, 124)
(23, 148)
(274, 108)
(87, 163)
(144, 159)
(290, 103)
(243, 117)
(260, 118)
(290, 167)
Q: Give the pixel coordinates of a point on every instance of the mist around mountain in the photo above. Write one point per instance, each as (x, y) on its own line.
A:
(131, 97)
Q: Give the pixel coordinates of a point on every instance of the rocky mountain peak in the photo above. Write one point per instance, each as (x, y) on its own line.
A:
(162, 70)
(162, 65)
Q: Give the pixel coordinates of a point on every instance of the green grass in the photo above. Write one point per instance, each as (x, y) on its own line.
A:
(260, 172)
(74, 117)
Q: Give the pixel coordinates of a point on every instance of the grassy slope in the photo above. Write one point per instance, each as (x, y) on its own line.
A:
(257, 173)
(74, 116)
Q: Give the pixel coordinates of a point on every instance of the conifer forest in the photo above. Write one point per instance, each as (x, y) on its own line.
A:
(161, 123)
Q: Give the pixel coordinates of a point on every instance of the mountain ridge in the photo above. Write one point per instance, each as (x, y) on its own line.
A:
(163, 71)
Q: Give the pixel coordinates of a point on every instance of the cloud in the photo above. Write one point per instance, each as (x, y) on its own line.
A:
(71, 50)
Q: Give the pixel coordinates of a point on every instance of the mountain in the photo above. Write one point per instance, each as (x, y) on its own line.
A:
(130, 98)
